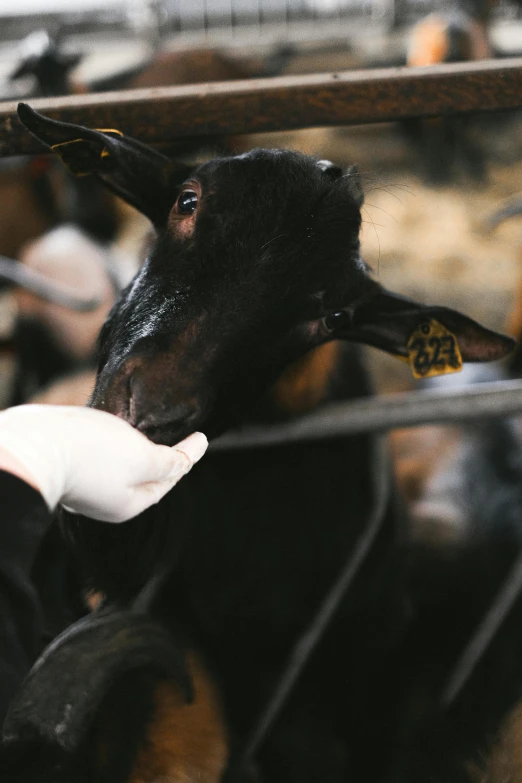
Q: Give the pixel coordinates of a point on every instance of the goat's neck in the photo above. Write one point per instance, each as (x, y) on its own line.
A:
(333, 371)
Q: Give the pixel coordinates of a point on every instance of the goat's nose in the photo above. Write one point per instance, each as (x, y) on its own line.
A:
(170, 424)
(149, 404)
(181, 413)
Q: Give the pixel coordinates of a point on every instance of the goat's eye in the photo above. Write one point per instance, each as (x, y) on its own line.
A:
(336, 320)
(187, 202)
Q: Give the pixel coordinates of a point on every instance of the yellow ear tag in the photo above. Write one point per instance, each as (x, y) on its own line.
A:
(105, 152)
(109, 130)
(433, 350)
(79, 160)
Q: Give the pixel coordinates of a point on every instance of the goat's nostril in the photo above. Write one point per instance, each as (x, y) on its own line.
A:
(184, 412)
(171, 423)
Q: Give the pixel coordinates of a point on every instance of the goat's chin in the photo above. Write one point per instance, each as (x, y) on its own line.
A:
(165, 434)
(167, 427)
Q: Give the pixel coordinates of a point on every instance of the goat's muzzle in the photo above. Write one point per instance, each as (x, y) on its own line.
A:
(144, 394)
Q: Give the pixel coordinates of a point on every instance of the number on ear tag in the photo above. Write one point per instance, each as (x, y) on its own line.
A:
(433, 350)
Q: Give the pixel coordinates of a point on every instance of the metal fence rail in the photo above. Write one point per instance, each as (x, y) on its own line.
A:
(158, 116)
(386, 412)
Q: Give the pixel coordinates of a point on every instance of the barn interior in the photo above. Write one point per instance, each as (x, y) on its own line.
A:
(442, 214)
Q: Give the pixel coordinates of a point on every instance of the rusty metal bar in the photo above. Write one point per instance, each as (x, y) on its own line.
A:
(386, 412)
(158, 116)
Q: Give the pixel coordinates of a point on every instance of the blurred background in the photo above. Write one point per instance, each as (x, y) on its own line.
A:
(443, 197)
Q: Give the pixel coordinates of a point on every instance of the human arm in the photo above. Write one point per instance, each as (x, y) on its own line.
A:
(96, 463)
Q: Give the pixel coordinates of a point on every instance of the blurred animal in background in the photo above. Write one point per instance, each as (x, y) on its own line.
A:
(448, 147)
(55, 336)
(459, 34)
(273, 294)
(426, 459)
(60, 281)
(49, 62)
(43, 58)
(62, 286)
(89, 220)
(35, 194)
(37, 197)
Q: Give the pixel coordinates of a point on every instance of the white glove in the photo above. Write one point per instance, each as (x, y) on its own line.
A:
(91, 461)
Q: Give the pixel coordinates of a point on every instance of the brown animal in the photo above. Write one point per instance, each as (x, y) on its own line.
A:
(445, 146)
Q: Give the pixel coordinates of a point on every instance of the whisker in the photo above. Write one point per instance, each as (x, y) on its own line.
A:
(378, 240)
(271, 240)
(374, 206)
(378, 225)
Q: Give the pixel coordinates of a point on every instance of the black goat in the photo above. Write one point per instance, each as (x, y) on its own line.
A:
(256, 264)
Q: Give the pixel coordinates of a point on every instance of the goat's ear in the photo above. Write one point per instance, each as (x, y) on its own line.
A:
(143, 177)
(351, 173)
(332, 169)
(388, 321)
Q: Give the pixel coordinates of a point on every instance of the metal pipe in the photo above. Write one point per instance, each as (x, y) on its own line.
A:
(161, 115)
(18, 274)
(381, 413)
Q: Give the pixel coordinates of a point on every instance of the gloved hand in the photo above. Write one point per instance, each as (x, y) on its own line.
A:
(90, 461)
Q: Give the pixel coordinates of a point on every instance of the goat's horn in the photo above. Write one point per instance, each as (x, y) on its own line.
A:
(18, 274)
(59, 698)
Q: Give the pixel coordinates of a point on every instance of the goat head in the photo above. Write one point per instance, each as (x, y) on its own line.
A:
(256, 261)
